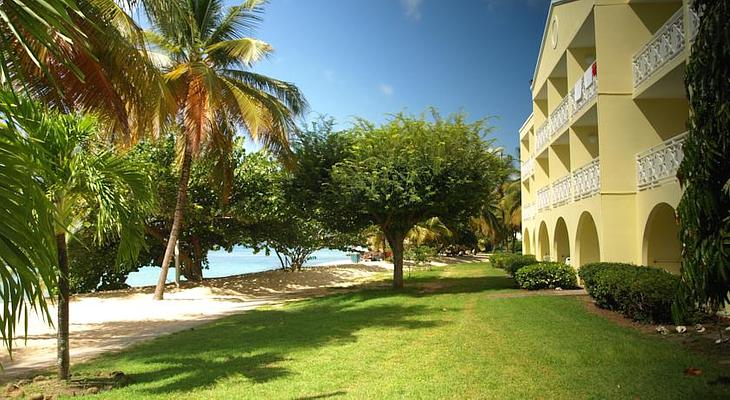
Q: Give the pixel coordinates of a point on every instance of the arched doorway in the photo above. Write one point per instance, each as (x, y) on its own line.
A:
(526, 245)
(543, 243)
(586, 241)
(562, 243)
(662, 248)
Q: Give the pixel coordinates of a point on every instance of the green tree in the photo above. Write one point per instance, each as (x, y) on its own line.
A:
(69, 53)
(704, 210)
(264, 197)
(85, 182)
(404, 172)
(500, 218)
(206, 58)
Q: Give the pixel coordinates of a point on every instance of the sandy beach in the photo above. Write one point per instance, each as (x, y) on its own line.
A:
(109, 321)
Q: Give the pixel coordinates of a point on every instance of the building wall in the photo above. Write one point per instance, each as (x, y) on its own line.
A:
(632, 128)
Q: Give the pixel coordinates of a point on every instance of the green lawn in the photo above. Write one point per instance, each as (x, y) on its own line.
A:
(445, 336)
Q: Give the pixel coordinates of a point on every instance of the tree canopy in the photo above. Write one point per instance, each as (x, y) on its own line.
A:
(398, 174)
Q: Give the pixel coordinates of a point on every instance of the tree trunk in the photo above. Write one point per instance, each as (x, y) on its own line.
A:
(182, 197)
(197, 265)
(395, 240)
(63, 360)
(177, 263)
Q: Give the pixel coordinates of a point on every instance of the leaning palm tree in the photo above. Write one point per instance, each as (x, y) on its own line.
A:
(206, 57)
(84, 181)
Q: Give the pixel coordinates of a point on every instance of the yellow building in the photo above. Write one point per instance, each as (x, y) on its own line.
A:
(601, 148)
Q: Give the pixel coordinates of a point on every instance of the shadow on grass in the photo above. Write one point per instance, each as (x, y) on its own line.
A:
(254, 345)
(420, 286)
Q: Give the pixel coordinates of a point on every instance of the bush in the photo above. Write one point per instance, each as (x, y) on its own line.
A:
(498, 259)
(92, 267)
(546, 275)
(641, 293)
(515, 262)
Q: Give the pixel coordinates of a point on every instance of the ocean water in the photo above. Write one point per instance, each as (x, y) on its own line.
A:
(240, 261)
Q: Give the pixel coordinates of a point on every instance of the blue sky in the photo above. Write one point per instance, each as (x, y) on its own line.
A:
(369, 58)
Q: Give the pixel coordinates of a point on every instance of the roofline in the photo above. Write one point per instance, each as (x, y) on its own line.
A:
(529, 117)
(553, 3)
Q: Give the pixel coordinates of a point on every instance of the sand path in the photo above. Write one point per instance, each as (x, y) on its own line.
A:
(109, 321)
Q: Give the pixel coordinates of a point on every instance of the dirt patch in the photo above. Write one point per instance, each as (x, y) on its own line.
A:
(44, 387)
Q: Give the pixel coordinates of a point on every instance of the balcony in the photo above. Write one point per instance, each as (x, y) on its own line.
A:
(528, 211)
(587, 180)
(561, 191)
(543, 199)
(583, 92)
(659, 164)
(527, 169)
(664, 46)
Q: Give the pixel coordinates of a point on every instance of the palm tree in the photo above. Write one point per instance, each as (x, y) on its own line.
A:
(72, 54)
(84, 180)
(206, 58)
(500, 218)
(27, 245)
(75, 55)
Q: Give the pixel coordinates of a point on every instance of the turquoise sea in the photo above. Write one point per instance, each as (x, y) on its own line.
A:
(240, 261)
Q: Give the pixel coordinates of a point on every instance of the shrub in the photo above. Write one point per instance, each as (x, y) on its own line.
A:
(546, 275)
(515, 262)
(92, 267)
(642, 293)
(498, 259)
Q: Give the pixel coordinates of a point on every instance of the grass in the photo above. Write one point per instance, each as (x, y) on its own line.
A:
(448, 335)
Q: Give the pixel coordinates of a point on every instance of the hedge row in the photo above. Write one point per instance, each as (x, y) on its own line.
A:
(512, 262)
(642, 293)
(546, 275)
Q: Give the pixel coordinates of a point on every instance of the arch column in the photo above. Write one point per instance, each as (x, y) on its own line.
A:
(587, 245)
(561, 242)
(543, 243)
(661, 246)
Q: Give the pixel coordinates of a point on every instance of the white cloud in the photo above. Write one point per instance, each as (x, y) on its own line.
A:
(386, 89)
(412, 8)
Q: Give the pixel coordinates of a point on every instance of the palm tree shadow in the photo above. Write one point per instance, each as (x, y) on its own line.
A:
(255, 345)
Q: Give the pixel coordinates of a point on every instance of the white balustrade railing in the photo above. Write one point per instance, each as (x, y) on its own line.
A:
(659, 163)
(543, 198)
(561, 191)
(587, 180)
(581, 184)
(542, 138)
(527, 169)
(528, 211)
(664, 46)
(584, 90)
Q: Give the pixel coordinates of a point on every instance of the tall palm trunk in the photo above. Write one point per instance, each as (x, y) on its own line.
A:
(63, 360)
(182, 199)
